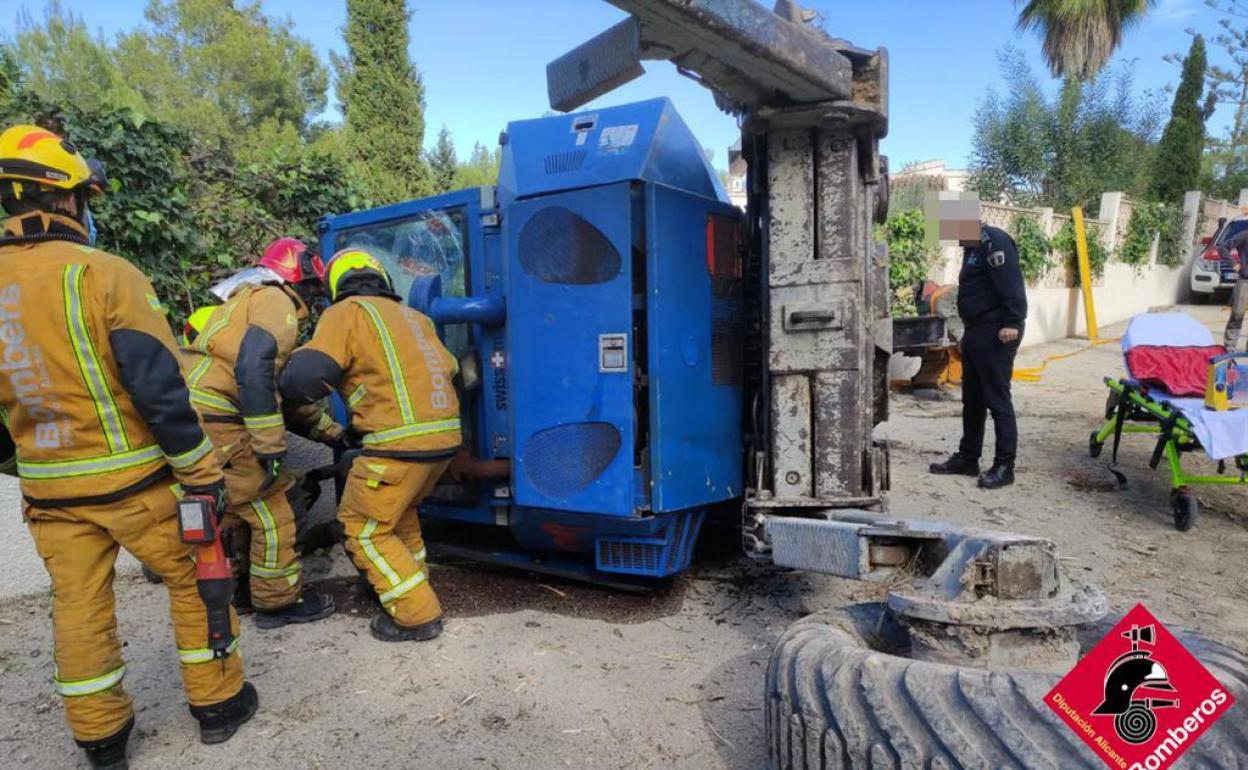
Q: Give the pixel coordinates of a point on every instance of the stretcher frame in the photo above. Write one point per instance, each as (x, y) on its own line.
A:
(1131, 410)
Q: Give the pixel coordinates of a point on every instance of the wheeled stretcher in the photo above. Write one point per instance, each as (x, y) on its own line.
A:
(1167, 358)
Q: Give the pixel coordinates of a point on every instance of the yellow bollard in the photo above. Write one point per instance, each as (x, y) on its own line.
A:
(1085, 273)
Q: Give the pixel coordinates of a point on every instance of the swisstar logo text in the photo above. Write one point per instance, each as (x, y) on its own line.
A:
(1139, 698)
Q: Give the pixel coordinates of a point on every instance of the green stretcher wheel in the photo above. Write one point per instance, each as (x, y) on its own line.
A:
(1094, 446)
(1186, 506)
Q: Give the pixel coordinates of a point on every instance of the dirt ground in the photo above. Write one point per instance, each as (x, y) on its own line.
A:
(538, 673)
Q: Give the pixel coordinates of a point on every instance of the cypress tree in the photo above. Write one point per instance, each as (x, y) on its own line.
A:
(1176, 166)
(443, 163)
(382, 99)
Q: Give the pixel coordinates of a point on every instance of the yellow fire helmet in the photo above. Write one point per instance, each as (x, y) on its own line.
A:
(196, 322)
(33, 154)
(347, 262)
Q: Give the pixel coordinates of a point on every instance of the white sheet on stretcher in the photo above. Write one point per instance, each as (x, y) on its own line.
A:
(1221, 434)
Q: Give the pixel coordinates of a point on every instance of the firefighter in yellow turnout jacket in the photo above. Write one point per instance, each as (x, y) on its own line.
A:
(97, 415)
(233, 366)
(387, 363)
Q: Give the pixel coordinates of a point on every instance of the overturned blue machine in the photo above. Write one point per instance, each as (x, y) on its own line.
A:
(595, 300)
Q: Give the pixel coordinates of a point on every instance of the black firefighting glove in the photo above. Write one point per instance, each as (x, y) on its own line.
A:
(272, 468)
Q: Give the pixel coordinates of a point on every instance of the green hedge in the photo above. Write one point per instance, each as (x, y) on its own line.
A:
(183, 211)
(909, 258)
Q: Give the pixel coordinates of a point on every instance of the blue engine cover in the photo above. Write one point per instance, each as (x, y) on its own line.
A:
(613, 384)
(643, 141)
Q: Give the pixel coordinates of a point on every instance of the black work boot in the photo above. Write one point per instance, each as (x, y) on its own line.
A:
(312, 605)
(109, 753)
(385, 629)
(219, 722)
(1001, 474)
(956, 465)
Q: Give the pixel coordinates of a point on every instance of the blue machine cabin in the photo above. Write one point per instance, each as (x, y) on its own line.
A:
(597, 293)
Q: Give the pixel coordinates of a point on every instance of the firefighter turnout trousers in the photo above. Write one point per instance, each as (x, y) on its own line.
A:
(79, 546)
(263, 524)
(379, 514)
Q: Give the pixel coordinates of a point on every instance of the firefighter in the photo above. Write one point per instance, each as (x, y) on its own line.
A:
(387, 363)
(233, 365)
(93, 398)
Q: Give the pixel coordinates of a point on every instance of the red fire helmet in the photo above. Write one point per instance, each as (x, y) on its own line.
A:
(292, 261)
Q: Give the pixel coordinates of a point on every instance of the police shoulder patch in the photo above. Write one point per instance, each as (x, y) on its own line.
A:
(996, 258)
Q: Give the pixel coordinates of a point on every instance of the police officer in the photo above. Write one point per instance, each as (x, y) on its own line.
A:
(992, 302)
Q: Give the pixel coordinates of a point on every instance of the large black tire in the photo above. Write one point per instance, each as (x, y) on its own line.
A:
(836, 701)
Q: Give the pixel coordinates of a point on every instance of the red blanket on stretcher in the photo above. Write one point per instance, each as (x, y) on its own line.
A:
(1179, 371)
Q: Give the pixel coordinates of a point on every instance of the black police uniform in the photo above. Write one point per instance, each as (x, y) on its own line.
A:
(992, 295)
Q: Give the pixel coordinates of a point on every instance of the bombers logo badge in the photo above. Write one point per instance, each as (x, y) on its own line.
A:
(1139, 698)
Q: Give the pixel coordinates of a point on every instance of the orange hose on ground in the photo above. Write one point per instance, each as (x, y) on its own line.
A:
(1033, 373)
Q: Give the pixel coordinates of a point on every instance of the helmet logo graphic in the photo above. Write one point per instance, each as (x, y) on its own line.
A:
(1130, 673)
(292, 261)
(29, 140)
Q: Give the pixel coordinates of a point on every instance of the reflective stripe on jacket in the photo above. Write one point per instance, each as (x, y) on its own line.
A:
(234, 362)
(90, 379)
(387, 362)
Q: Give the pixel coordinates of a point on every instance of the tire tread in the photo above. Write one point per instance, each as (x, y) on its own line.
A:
(832, 703)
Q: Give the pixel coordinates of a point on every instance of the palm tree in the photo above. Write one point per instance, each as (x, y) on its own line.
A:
(1081, 35)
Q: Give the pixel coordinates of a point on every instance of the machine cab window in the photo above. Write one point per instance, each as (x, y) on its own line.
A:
(427, 243)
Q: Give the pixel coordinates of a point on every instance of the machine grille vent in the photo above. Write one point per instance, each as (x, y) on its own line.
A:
(669, 551)
(560, 246)
(563, 162)
(727, 342)
(563, 460)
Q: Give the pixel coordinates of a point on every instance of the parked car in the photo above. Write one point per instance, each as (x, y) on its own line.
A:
(1213, 274)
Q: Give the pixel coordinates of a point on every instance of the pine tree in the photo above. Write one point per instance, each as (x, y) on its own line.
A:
(1176, 166)
(480, 169)
(383, 101)
(442, 162)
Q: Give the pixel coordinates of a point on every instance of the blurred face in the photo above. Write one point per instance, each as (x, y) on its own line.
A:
(955, 218)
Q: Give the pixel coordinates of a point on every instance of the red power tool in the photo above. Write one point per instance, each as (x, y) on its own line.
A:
(198, 526)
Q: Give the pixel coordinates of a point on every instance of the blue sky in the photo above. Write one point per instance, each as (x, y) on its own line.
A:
(483, 61)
